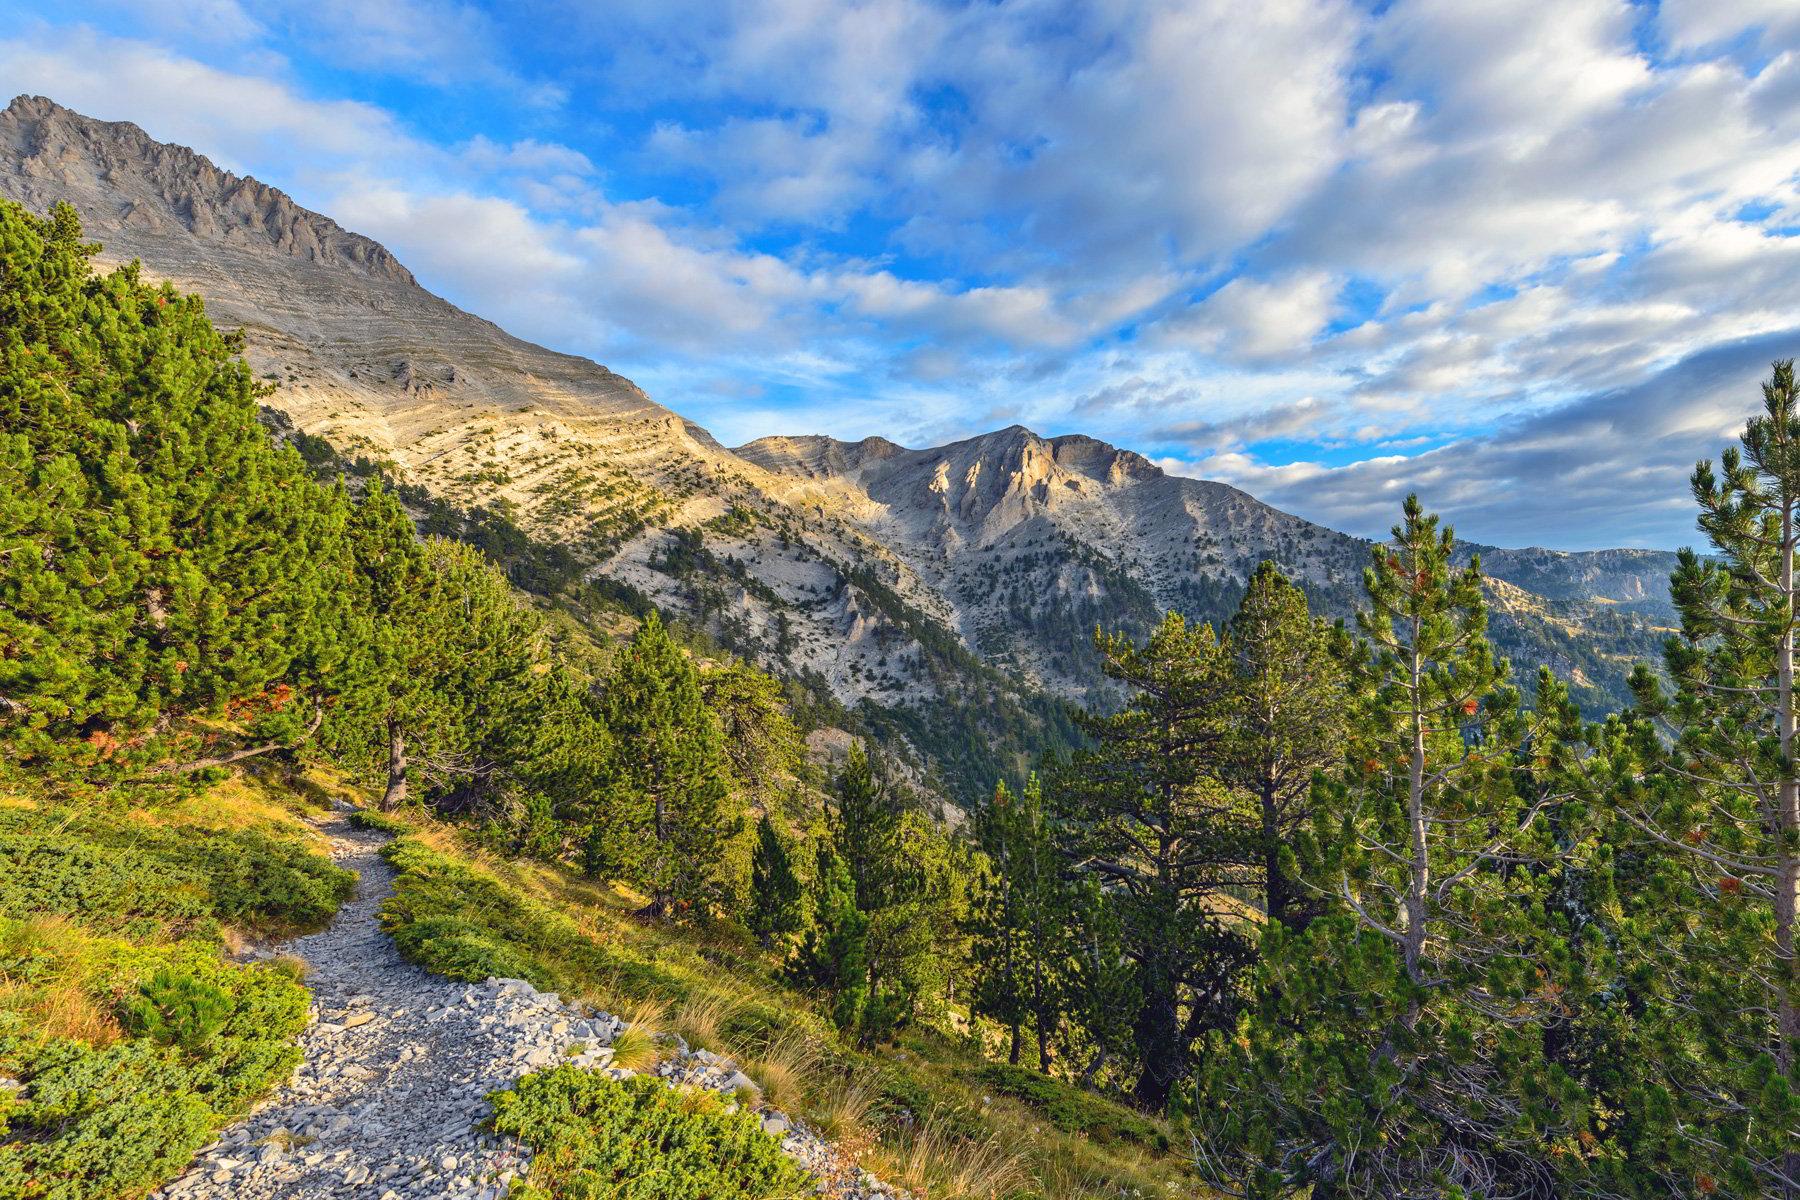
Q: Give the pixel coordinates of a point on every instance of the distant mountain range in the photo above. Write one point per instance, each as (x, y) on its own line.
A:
(947, 594)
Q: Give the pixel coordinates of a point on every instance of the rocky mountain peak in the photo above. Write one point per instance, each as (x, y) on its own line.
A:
(130, 188)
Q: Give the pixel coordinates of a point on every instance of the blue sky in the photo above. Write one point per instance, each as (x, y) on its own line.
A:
(1527, 256)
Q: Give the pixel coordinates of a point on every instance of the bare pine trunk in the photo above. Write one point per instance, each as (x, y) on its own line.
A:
(1419, 868)
(395, 795)
(1275, 893)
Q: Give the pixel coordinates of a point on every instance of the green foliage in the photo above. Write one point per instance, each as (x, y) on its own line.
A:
(177, 1009)
(459, 922)
(776, 910)
(1148, 811)
(597, 1138)
(380, 822)
(666, 813)
(1023, 925)
(160, 559)
(1397, 1046)
(1071, 1109)
(1291, 718)
(113, 872)
(1702, 790)
(100, 1121)
(834, 957)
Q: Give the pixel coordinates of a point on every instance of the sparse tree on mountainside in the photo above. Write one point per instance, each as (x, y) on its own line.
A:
(666, 812)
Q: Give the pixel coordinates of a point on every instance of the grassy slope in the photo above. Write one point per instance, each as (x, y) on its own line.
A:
(134, 1035)
(926, 1112)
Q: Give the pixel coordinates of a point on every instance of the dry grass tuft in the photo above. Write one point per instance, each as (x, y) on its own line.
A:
(63, 1010)
(933, 1161)
(843, 1110)
(787, 1066)
(702, 1017)
(635, 1047)
(55, 997)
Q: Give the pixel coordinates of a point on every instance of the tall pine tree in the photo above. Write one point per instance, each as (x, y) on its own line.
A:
(1146, 810)
(666, 814)
(1719, 805)
(1395, 1046)
(1290, 721)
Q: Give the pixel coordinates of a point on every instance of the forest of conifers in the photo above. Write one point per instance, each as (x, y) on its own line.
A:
(1369, 914)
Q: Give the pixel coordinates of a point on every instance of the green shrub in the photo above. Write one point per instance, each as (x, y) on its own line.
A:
(380, 822)
(96, 1122)
(177, 1009)
(111, 873)
(638, 1139)
(465, 924)
(460, 949)
(1069, 1108)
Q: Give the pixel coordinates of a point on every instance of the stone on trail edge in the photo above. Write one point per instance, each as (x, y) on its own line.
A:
(398, 1063)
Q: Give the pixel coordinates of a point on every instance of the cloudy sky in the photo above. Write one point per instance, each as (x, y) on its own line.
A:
(1527, 256)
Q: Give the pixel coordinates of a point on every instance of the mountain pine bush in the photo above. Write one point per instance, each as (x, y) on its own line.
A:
(639, 1139)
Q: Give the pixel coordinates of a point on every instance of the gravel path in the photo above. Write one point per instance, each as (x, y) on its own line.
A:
(398, 1065)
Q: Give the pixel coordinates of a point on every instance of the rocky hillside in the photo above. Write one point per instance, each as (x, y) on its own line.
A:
(947, 593)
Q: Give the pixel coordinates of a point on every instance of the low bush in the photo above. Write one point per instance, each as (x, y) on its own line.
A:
(380, 822)
(457, 920)
(638, 1139)
(131, 876)
(104, 1118)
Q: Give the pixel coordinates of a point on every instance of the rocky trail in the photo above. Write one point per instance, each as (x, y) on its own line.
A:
(390, 1096)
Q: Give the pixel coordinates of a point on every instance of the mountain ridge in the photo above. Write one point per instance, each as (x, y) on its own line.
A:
(916, 585)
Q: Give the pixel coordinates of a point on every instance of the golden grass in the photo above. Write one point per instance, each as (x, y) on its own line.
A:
(844, 1109)
(787, 1066)
(932, 1160)
(701, 1019)
(59, 997)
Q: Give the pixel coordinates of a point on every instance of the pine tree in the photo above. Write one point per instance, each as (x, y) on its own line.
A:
(160, 558)
(1021, 935)
(1289, 722)
(1146, 809)
(834, 955)
(774, 888)
(404, 653)
(1395, 1047)
(1718, 804)
(666, 814)
(1100, 986)
(865, 828)
(999, 934)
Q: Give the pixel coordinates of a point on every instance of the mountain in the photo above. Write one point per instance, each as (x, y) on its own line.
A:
(947, 595)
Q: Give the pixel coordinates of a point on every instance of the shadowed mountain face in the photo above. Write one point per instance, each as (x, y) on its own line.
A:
(953, 584)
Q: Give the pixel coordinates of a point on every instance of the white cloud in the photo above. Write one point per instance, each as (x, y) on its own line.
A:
(1258, 320)
(927, 217)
